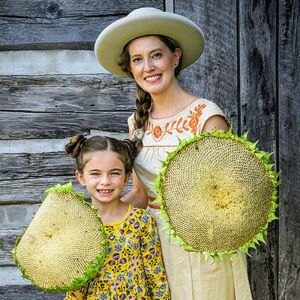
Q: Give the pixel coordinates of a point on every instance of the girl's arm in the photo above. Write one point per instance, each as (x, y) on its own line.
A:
(138, 196)
(156, 277)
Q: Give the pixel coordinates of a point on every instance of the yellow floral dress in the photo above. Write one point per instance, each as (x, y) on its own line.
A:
(133, 267)
(190, 277)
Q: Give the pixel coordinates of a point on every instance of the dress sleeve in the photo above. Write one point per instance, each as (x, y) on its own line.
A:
(211, 109)
(79, 294)
(156, 277)
(131, 125)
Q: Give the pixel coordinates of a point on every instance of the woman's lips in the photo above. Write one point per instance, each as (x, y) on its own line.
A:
(153, 78)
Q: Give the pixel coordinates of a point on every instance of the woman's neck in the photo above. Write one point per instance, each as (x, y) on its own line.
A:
(170, 102)
(112, 211)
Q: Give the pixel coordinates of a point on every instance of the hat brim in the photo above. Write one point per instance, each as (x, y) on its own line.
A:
(111, 41)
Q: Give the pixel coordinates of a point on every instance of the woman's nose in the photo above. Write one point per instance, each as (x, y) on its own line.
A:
(148, 65)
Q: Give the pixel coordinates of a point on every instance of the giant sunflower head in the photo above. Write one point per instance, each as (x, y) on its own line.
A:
(65, 243)
(217, 194)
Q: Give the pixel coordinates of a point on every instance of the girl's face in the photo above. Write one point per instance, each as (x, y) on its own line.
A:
(152, 64)
(103, 176)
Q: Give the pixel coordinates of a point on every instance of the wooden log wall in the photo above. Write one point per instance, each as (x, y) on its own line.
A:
(249, 68)
(38, 112)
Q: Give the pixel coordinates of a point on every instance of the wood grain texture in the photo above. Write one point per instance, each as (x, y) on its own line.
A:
(32, 189)
(60, 24)
(214, 75)
(22, 125)
(72, 93)
(17, 216)
(26, 292)
(289, 137)
(7, 242)
(25, 165)
(257, 27)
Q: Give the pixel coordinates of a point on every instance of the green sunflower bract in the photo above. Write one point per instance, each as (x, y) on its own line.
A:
(217, 194)
(65, 243)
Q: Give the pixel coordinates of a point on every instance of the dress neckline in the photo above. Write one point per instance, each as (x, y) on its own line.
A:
(130, 207)
(176, 114)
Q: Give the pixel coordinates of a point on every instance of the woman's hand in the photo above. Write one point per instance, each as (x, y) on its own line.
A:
(138, 196)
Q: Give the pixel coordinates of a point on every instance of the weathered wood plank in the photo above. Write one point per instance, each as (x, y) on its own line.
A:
(289, 137)
(22, 125)
(26, 292)
(25, 165)
(258, 116)
(60, 24)
(30, 190)
(46, 62)
(14, 286)
(7, 243)
(72, 93)
(17, 216)
(214, 75)
(71, 8)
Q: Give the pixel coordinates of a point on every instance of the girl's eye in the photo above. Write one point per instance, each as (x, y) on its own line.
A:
(94, 174)
(115, 173)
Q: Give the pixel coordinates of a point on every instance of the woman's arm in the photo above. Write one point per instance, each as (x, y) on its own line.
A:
(138, 196)
(215, 122)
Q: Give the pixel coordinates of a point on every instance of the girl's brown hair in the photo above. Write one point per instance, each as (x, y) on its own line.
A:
(79, 145)
(143, 101)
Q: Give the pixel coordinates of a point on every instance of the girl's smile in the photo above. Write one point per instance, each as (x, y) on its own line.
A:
(104, 177)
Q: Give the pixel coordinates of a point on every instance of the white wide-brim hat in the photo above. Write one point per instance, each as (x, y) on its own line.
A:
(147, 21)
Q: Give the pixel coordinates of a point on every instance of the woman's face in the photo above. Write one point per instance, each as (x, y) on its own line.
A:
(152, 64)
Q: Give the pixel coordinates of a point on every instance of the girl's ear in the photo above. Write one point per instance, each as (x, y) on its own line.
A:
(80, 178)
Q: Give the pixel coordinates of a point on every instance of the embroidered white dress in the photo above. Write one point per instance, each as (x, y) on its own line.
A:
(189, 276)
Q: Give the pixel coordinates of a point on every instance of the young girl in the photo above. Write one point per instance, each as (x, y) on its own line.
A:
(133, 267)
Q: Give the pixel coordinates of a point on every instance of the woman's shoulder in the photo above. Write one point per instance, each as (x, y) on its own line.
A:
(209, 104)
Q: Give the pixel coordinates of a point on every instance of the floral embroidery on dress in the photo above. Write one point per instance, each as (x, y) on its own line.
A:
(180, 125)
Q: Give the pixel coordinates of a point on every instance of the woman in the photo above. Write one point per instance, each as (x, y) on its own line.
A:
(152, 46)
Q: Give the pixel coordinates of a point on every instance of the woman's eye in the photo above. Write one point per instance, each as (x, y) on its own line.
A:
(157, 55)
(137, 60)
